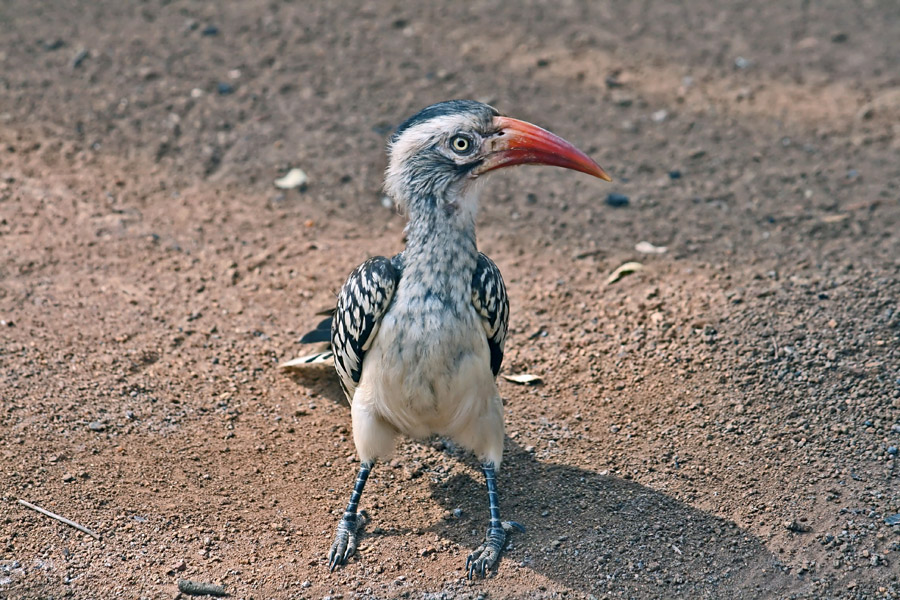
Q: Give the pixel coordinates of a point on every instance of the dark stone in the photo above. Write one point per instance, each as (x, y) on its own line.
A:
(55, 44)
(617, 200)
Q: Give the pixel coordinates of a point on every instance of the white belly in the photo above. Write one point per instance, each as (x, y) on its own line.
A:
(429, 375)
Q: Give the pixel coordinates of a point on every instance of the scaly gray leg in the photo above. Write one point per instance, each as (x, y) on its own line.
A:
(486, 555)
(345, 540)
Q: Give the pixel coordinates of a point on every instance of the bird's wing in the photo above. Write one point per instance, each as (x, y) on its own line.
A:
(490, 301)
(361, 304)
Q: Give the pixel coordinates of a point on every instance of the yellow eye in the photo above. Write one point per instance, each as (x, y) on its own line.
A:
(460, 144)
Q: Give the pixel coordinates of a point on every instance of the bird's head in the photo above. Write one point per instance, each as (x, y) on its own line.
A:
(438, 154)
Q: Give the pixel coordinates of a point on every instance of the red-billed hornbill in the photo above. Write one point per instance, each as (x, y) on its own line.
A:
(418, 338)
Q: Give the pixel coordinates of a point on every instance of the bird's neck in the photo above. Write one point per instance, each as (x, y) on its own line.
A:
(440, 241)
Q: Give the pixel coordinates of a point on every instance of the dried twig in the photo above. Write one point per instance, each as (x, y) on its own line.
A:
(195, 588)
(60, 519)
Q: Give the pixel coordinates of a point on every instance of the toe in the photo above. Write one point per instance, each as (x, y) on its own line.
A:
(343, 547)
(508, 525)
(335, 556)
(482, 559)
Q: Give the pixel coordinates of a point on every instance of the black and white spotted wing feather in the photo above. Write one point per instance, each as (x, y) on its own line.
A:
(361, 304)
(490, 301)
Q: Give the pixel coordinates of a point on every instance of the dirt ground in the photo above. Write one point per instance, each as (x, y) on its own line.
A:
(722, 424)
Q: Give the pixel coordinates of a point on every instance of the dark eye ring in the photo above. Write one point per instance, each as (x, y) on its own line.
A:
(461, 144)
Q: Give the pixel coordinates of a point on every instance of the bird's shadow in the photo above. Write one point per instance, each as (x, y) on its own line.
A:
(320, 382)
(598, 533)
(602, 534)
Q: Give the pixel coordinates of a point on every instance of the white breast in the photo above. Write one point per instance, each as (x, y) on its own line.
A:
(428, 372)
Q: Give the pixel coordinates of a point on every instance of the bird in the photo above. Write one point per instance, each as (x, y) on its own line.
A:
(418, 338)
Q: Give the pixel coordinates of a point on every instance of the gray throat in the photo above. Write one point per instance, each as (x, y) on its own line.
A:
(440, 256)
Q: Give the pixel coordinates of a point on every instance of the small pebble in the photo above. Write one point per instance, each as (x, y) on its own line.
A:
(55, 44)
(457, 512)
(796, 527)
(674, 174)
(210, 30)
(79, 58)
(741, 63)
(892, 450)
(97, 426)
(617, 200)
(224, 88)
(612, 81)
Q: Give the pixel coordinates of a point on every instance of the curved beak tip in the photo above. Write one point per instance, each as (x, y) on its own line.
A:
(525, 143)
(601, 174)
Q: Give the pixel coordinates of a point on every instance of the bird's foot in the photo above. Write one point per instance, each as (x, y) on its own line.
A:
(487, 554)
(345, 540)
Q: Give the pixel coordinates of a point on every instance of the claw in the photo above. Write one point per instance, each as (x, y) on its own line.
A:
(488, 553)
(345, 542)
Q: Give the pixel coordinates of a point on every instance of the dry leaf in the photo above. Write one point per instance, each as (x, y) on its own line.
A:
(834, 218)
(310, 361)
(523, 378)
(293, 179)
(629, 267)
(648, 248)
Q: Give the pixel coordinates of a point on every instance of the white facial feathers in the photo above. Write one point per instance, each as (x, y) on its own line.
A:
(429, 136)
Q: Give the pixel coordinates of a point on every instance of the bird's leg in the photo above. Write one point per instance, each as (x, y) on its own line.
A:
(345, 540)
(486, 555)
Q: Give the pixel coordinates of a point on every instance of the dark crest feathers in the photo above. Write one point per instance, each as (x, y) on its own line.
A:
(449, 107)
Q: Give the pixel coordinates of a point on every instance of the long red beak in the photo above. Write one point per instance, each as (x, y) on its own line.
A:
(521, 143)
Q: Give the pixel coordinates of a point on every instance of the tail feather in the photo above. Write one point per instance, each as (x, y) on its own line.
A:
(322, 333)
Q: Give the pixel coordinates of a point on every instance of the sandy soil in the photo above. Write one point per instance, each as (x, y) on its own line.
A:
(722, 424)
